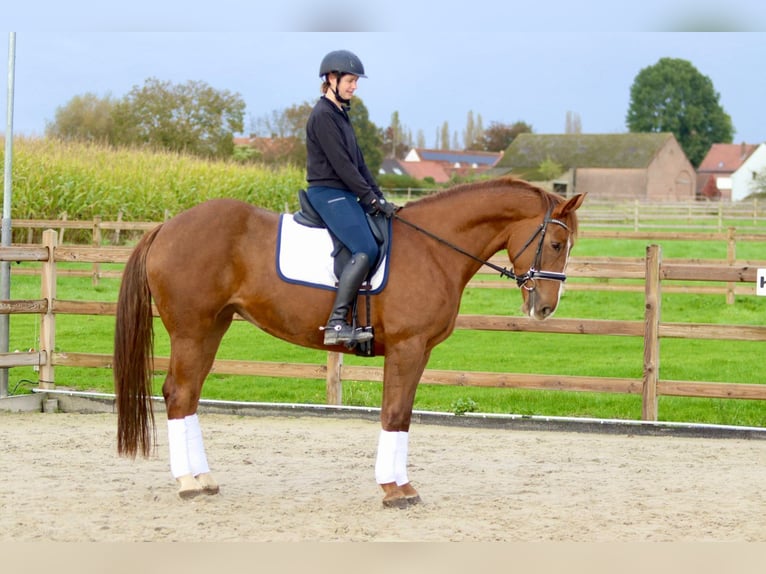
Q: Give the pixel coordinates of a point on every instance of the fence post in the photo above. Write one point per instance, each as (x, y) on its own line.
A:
(334, 380)
(653, 299)
(636, 216)
(720, 216)
(731, 258)
(48, 321)
(97, 243)
(64, 217)
(118, 229)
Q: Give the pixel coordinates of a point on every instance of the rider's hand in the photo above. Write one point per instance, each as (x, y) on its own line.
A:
(383, 207)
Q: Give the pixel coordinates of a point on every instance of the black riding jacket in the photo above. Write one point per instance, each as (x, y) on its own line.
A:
(333, 155)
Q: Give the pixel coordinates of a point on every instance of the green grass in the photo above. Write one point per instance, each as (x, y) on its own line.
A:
(703, 249)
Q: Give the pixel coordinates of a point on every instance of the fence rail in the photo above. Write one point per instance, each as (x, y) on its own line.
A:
(699, 215)
(651, 270)
(579, 267)
(635, 216)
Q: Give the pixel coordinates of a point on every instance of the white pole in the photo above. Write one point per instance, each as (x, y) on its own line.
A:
(5, 266)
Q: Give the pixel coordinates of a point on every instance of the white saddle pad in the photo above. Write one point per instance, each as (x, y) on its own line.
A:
(304, 256)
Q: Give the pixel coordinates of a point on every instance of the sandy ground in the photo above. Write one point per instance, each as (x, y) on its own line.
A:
(311, 479)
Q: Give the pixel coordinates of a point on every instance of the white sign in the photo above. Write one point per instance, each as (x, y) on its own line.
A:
(760, 282)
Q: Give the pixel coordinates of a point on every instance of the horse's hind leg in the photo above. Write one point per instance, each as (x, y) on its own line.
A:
(188, 461)
(190, 361)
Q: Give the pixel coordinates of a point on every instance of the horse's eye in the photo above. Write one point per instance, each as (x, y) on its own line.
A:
(557, 246)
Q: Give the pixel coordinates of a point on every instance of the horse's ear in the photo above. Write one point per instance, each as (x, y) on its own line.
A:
(570, 206)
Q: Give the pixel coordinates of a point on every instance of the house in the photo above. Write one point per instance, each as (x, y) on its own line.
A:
(417, 170)
(452, 162)
(728, 171)
(630, 166)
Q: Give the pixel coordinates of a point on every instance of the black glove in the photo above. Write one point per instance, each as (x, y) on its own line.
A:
(383, 207)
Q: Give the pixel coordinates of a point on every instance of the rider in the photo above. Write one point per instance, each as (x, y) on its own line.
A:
(340, 186)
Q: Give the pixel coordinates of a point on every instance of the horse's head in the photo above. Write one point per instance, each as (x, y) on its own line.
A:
(544, 253)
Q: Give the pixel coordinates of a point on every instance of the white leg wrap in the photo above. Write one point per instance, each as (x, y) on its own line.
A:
(179, 453)
(400, 459)
(385, 462)
(195, 446)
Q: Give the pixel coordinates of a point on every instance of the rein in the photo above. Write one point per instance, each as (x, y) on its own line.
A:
(521, 280)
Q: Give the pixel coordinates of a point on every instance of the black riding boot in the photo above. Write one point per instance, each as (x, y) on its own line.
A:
(338, 330)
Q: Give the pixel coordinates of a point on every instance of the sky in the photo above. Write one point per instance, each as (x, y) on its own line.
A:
(429, 66)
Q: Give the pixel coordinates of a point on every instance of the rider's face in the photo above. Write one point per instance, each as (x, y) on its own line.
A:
(347, 86)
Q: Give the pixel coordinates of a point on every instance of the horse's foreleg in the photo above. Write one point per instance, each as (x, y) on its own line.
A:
(403, 369)
(391, 469)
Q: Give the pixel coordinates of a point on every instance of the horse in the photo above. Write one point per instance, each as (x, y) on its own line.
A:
(218, 258)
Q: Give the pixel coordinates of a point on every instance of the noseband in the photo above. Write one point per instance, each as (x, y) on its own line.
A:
(532, 274)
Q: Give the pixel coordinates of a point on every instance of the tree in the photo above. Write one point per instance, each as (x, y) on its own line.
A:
(396, 140)
(444, 136)
(282, 136)
(758, 186)
(367, 135)
(469, 135)
(473, 135)
(498, 136)
(190, 118)
(85, 118)
(549, 169)
(478, 134)
(573, 123)
(290, 122)
(673, 96)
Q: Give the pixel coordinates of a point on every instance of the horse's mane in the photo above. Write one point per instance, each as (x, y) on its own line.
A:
(505, 181)
(548, 198)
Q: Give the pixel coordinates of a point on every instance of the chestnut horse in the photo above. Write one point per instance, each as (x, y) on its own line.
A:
(218, 258)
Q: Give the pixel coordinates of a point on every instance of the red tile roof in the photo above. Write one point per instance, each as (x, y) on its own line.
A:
(424, 169)
(726, 158)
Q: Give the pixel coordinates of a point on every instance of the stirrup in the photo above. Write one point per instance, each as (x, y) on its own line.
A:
(341, 333)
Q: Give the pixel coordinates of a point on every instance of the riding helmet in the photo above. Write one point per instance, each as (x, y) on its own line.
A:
(341, 61)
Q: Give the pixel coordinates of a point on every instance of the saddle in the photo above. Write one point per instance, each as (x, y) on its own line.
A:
(381, 231)
(379, 225)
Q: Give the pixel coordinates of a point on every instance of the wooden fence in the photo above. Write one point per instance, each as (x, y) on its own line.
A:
(652, 271)
(690, 215)
(631, 216)
(98, 230)
(641, 215)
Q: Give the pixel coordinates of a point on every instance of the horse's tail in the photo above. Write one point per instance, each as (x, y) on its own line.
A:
(133, 360)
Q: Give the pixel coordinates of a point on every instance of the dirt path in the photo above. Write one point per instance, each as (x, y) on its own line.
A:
(311, 479)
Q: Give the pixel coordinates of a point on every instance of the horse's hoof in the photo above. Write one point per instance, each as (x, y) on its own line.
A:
(394, 497)
(410, 494)
(399, 503)
(208, 484)
(188, 487)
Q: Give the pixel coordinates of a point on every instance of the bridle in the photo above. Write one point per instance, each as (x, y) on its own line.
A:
(528, 279)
